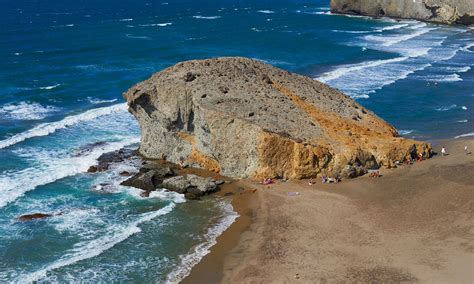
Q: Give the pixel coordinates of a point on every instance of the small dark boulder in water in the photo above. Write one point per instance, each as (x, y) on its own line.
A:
(192, 196)
(34, 216)
(92, 169)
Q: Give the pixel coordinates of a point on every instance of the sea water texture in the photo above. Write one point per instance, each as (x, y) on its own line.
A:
(65, 65)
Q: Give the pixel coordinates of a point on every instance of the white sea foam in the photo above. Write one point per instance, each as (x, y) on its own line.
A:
(464, 135)
(51, 127)
(392, 40)
(446, 108)
(126, 20)
(346, 69)
(75, 221)
(462, 69)
(391, 28)
(352, 79)
(462, 121)
(99, 101)
(14, 184)
(188, 261)
(464, 108)
(90, 249)
(137, 37)
(320, 13)
(50, 87)
(468, 48)
(442, 78)
(351, 32)
(26, 111)
(405, 132)
(266, 11)
(206, 17)
(156, 25)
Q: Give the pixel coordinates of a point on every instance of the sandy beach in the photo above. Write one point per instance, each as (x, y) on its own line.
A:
(413, 224)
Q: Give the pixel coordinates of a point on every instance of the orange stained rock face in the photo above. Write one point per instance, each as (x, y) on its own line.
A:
(196, 156)
(283, 157)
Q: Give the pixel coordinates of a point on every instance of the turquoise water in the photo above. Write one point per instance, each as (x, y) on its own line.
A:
(64, 66)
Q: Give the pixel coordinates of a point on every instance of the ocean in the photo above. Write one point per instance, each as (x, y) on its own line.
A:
(65, 64)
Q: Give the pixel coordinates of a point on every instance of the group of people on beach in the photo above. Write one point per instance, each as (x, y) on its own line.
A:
(444, 152)
(325, 179)
(373, 173)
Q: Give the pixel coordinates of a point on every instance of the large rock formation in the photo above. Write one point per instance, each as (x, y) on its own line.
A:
(243, 118)
(441, 11)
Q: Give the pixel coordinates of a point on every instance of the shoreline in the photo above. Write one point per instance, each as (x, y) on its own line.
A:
(210, 268)
(234, 257)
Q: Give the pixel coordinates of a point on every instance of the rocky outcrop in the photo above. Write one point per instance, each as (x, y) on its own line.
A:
(243, 118)
(192, 186)
(115, 157)
(161, 175)
(440, 11)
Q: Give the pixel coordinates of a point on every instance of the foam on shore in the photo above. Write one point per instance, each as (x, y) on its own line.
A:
(188, 261)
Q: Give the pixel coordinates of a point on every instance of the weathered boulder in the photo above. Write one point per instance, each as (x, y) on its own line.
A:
(441, 11)
(143, 181)
(244, 118)
(178, 184)
(192, 186)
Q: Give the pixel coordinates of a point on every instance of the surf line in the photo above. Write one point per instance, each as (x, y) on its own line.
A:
(45, 129)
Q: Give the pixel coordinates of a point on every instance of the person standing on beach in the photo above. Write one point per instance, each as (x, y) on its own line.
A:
(465, 150)
(443, 151)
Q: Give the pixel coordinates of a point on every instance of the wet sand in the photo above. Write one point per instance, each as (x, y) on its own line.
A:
(413, 224)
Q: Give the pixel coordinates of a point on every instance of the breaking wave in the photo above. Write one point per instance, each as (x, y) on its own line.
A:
(14, 185)
(45, 129)
(346, 69)
(206, 17)
(26, 111)
(93, 248)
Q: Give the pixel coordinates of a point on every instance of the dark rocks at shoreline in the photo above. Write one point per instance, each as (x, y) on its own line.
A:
(152, 176)
(83, 150)
(192, 186)
(115, 157)
(155, 174)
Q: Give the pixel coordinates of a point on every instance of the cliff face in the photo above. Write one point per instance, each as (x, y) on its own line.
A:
(244, 118)
(441, 11)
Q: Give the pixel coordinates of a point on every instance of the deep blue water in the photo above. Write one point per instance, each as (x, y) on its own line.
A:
(65, 64)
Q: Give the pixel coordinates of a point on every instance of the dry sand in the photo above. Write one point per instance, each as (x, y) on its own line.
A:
(413, 224)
